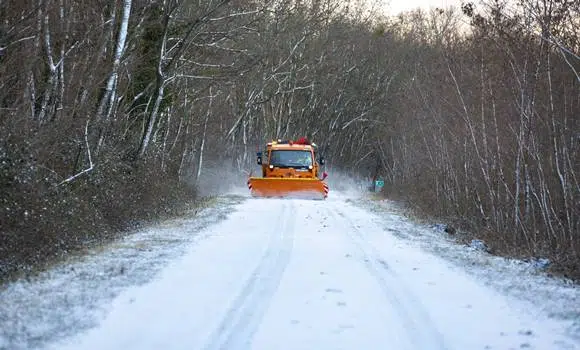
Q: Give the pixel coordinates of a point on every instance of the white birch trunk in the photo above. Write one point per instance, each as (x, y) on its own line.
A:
(152, 120)
(161, 81)
(202, 146)
(109, 95)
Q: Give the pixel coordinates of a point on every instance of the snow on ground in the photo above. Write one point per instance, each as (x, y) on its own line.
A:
(75, 296)
(524, 281)
(345, 273)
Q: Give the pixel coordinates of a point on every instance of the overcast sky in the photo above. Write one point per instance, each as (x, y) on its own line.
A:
(396, 6)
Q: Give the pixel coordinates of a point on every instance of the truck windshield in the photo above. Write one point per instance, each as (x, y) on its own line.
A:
(291, 159)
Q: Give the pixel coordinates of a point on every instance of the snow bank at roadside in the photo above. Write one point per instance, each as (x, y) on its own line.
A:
(522, 281)
(70, 297)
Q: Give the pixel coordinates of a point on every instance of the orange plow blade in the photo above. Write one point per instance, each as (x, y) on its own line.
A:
(288, 188)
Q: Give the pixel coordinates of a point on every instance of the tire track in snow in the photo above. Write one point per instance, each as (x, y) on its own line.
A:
(421, 331)
(246, 312)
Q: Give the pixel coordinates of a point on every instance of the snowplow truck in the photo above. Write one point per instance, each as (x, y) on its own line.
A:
(290, 169)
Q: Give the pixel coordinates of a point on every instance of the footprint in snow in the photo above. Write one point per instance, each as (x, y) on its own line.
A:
(383, 264)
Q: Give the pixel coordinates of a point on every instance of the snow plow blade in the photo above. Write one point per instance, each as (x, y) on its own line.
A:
(288, 187)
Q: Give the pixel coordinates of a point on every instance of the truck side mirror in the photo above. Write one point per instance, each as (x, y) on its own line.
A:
(321, 161)
(259, 158)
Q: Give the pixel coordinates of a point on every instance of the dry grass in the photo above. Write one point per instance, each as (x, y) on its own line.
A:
(423, 206)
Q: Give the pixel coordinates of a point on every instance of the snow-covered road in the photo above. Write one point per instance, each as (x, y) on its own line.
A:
(299, 274)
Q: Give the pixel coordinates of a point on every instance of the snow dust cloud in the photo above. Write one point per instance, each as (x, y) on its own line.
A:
(345, 185)
(224, 177)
